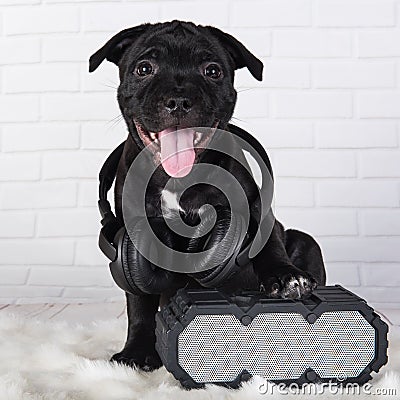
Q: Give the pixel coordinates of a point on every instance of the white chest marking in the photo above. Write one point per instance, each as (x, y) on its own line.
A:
(169, 203)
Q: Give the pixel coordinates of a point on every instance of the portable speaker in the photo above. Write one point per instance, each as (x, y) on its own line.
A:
(205, 336)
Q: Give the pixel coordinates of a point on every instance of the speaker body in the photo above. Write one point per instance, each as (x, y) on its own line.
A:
(205, 336)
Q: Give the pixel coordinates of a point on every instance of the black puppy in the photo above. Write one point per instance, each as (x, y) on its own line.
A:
(178, 75)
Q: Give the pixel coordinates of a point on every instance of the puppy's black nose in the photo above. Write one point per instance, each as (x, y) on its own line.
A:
(176, 104)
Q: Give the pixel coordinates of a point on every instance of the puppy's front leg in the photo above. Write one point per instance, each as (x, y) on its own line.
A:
(139, 349)
(279, 276)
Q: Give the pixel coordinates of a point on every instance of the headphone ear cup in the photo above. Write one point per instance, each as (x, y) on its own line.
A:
(127, 250)
(149, 278)
(226, 236)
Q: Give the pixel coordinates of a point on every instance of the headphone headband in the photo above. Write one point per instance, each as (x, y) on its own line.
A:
(111, 224)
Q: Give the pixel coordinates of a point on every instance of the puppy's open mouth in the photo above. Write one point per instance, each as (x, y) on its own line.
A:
(175, 147)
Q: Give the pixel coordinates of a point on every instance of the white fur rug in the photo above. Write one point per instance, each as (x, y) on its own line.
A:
(57, 361)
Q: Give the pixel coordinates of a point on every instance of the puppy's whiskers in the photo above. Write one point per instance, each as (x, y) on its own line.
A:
(110, 84)
(112, 123)
(245, 90)
(238, 119)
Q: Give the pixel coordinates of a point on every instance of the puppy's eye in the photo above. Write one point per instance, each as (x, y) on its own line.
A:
(213, 71)
(144, 68)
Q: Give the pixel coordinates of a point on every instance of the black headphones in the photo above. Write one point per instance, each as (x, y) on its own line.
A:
(134, 273)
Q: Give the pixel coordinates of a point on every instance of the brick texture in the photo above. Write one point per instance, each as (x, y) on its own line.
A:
(327, 112)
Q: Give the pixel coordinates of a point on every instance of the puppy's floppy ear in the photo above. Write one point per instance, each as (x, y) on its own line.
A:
(115, 47)
(240, 54)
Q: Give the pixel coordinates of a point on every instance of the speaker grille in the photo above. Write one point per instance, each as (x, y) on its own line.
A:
(217, 348)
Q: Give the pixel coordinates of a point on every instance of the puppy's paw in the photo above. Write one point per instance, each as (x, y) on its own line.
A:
(145, 361)
(289, 283)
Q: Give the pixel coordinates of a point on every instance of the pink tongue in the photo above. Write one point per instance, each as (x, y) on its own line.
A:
(177, 153)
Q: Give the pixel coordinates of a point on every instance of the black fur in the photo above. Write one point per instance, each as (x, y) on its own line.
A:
(290, 264)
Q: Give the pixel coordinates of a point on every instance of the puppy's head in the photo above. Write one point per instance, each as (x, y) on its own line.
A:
(175, 76)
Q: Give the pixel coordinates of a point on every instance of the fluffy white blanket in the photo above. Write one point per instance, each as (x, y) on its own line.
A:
(56, 361)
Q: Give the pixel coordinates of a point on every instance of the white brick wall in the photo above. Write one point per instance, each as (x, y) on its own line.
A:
(328, 112)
